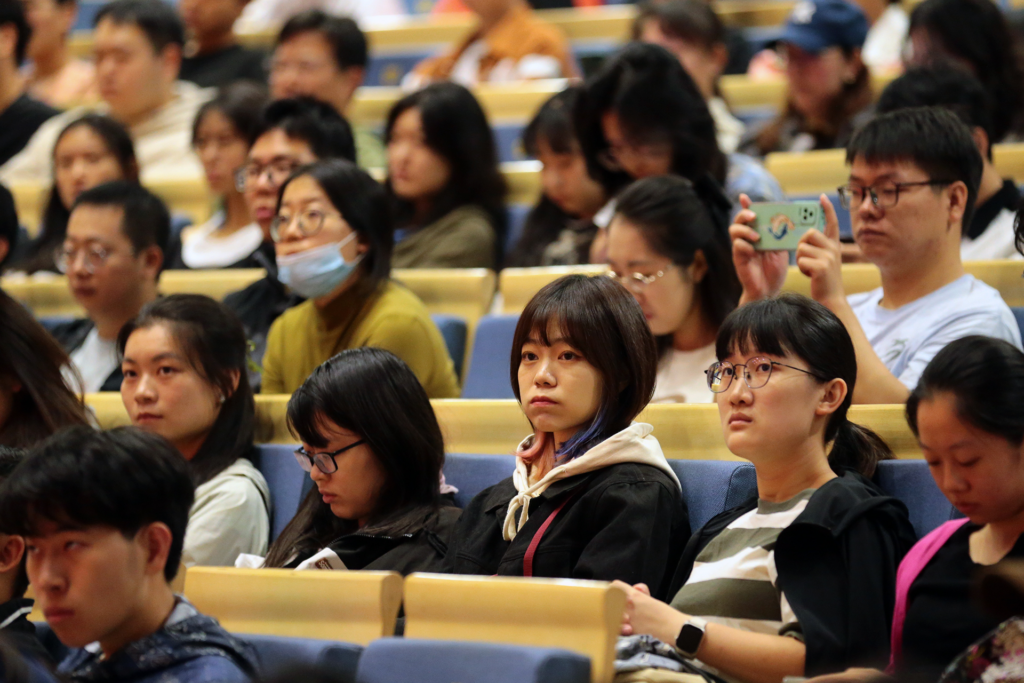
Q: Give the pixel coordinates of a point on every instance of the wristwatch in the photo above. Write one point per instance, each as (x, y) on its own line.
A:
(690, 636)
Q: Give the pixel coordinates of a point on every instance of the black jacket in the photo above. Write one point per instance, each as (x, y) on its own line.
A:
(625, 521)
(20, 632)
(419, 546)
(837, 566)
(72, 334)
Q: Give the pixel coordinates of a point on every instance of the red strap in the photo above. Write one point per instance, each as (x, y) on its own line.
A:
(535, 541)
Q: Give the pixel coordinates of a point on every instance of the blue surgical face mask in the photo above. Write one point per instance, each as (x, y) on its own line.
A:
(317, 272)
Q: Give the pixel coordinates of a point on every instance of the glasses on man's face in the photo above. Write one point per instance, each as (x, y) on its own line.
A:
(756, 373)
(276, 171)
(93, 257)
(325, 462)
(309, 223)
(636, 282)
(616, 157)
(883, 195)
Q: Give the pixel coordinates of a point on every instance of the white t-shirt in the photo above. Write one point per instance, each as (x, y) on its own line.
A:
(95, 360)
(263, 15)
(997, 242)
(681, 377)
(200, 248)
(883, 47)
(907, 338)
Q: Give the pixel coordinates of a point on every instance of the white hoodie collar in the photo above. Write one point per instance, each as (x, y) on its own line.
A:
(634, 444)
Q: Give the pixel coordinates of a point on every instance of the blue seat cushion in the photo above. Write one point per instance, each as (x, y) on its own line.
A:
(453, 331)
(278, 654)
(711, 487)
(472, 473)
(487, 376)
(911, 482)
(288, 483)
(401, 660)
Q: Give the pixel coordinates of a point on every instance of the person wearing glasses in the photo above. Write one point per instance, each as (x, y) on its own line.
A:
(333, 238)
(668, 245)
(112, 254)
(375, 503)
(184, 364)
(801, 579)
(909, 198)
(642, 115)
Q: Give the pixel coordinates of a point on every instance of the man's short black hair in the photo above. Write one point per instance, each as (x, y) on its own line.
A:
(944, 86)
(12, 12)
(155, 18)
(932, 138)
(146, 220)
(316, 123)
(10, 458)
(347, 41)
(124, 479)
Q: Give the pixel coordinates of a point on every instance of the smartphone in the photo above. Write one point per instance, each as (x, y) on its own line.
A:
(782, 224)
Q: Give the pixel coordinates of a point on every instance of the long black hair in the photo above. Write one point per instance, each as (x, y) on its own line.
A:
(677, 219)
(213, 340)
(986, 378)
(647, 87)
(793, 325)
(241, 103)
(53, 226)
(362, 390)
(599, 318)
(455, 127)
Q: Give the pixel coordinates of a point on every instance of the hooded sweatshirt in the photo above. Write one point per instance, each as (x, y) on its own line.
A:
(622, 517)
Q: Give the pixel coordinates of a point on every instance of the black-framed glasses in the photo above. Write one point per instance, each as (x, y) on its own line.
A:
(310, 222)
(325, 462)
(94, 257)
(883, 195)
(756, 373)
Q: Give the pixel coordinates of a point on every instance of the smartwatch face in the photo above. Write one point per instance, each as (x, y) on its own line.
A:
(689, 639)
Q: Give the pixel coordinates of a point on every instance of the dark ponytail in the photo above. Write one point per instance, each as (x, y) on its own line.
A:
(986, 377)
(791, 324)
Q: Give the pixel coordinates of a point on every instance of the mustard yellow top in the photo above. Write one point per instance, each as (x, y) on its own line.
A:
(393, 318)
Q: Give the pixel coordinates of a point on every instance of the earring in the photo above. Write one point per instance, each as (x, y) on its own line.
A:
(222, 399)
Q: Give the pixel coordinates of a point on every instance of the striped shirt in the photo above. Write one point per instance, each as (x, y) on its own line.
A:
(734, 579)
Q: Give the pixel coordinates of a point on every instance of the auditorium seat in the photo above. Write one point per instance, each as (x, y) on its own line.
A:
(911, 482)
(279, 654)
(453, 330)
(711, 487)
(471, 473)
(1018, 313)
(287, 482)
(488, 373)
(401, 660)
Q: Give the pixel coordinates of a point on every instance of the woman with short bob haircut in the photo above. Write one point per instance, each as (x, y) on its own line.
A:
(376, 503)
(35, 399)
(592, 496)
(446, 190)
(801, 579)
(668, 244)
(184, 359)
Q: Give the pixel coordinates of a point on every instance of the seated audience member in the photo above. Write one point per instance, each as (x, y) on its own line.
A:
(989, 235)
(829, 87)
(889, 25)
(976, 35)
(668, 245)
(965, 413)
(269, 15)
(112, 255)
(103, 515)
(325, 56)
(592, 496)
(376, 502)
(90, 151)
(446, 190)
(56, 77)
(20, 114)
(14, 606)
(560, 229)
(213, 57)
(35, 399)
(508, 44)
(294, 132)
(801, 579)
(225, 128)
(184, 364)
(137, 50)
(642, 115)
(9, 228)
(334, 241)
(691, 31)
(913, 181)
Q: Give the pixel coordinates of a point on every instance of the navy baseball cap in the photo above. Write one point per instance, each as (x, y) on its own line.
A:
(815, 25)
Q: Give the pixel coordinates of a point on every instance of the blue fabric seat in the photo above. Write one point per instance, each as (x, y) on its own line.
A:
(453, 330)
(288, 483)
(487, 376)
(711, 487)
(279, 654)
(472, 473)
(400, 660)
(911, 482)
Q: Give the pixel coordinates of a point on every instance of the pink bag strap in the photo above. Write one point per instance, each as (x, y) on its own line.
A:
(531, 550)
(915, 561)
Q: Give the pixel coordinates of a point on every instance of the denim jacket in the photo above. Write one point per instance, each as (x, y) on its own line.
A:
(189, 648)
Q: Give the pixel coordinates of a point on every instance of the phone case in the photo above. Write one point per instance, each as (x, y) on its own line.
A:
(782, 224)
